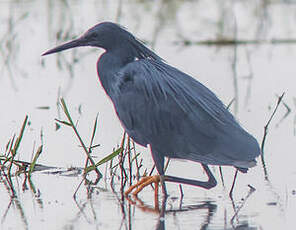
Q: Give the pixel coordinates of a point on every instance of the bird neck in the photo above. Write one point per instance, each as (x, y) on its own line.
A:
(110, 63)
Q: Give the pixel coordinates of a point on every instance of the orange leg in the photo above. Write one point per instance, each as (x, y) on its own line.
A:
(145, 181)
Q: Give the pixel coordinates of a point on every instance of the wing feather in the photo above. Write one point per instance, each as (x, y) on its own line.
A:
(177, 115)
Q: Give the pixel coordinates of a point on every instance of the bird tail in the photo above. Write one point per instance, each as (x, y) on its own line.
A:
(243, 166)
(243, 170)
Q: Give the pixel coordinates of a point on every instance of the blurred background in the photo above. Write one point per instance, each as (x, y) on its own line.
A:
(241, 50)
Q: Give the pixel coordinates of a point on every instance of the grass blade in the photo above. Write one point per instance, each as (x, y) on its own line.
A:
(63, 122)
(104, 160)
(71, 123)
(33, 163)
(17, 144)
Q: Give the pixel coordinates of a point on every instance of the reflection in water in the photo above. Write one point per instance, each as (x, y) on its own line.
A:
(207, 205)
(238, 208)
(210, 206)
(162, 211)
(35, 191)
(234, 68)
(248, 77)
(61, 24)
(81, 207)
(15, 203)
(10, 44)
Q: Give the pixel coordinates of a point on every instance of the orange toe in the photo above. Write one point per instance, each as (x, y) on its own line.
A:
(145, 181)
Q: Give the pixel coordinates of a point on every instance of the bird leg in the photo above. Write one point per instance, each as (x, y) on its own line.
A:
(162, 182)
(204, 184)
(145, 181)
(233, 183)
(148, 180)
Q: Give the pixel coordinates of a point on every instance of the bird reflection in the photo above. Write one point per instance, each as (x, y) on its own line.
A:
(162, 210)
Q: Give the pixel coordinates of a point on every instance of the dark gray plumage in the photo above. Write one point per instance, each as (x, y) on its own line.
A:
(160, 106)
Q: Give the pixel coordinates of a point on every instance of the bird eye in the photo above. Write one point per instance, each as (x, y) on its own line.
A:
(91, 36)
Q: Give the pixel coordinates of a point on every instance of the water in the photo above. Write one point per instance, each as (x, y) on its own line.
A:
(255, 74)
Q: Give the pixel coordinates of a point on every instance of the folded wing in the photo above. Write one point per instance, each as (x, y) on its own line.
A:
(178, 116)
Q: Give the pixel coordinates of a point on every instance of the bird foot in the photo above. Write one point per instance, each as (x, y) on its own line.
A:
(145, 181)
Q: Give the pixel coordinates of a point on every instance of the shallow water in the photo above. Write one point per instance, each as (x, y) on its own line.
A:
(255, 74)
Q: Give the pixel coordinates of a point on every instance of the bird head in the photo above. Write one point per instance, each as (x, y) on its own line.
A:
(109, 36)
(106, 35)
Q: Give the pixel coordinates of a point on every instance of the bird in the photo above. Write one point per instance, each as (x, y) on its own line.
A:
(165, 109)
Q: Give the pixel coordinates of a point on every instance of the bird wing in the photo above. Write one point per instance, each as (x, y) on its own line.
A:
(166, 108)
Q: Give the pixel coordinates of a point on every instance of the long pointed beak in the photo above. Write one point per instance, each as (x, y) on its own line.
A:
(68, 45)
